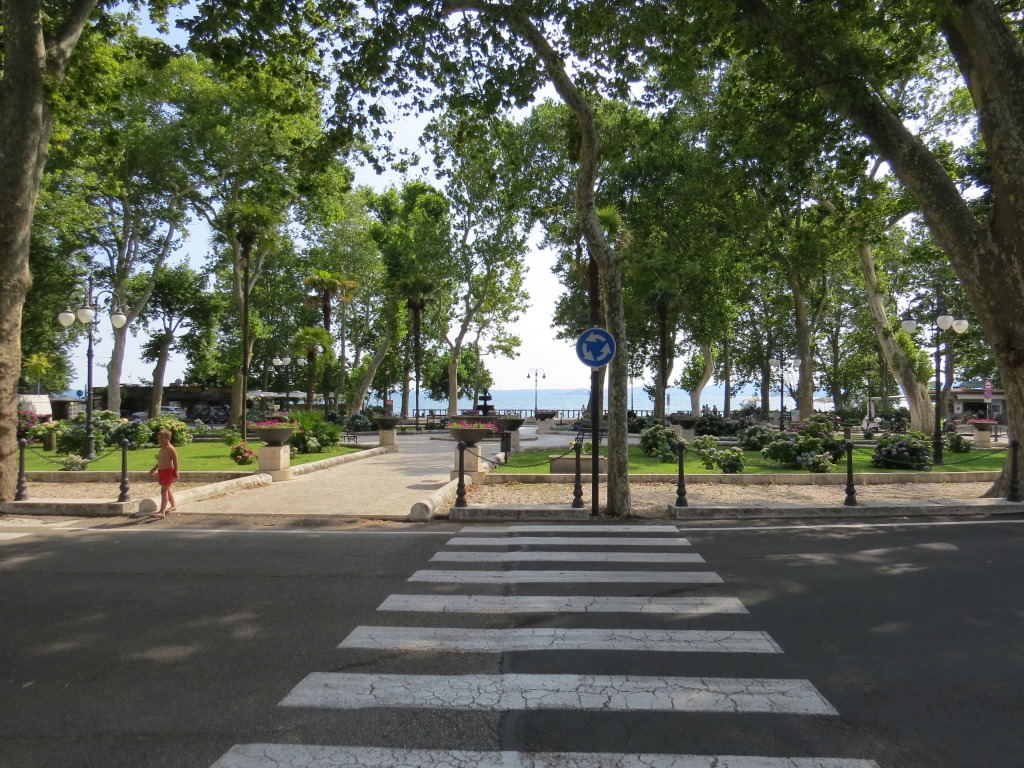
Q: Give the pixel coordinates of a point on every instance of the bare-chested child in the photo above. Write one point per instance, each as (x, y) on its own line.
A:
(167, 472)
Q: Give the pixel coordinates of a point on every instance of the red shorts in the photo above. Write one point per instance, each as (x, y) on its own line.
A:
(165, 476)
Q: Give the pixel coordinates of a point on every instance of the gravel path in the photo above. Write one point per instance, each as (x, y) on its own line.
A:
(652, 498)
(99, 490)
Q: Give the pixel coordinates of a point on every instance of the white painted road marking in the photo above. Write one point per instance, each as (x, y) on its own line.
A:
(605, 693)
(581, 528)
(12, 536)
(566, 557)
(560, 604)
(559, 639)
(566, 541)
(312, 756)
(568, 577)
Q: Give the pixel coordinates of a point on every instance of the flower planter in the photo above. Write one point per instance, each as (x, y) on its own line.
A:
(387, 422)
(469, 435)
(543, 415)
(509, 423)
(274, 435)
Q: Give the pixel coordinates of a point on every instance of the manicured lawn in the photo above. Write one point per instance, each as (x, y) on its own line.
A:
(194, 457)
(975, 461)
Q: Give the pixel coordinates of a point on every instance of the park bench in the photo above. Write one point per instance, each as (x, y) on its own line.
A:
(350, 437)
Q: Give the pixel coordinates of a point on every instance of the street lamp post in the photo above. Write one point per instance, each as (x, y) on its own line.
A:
(942, 323)
(537, 374)
(86, 314)
(283, 362)
(869, 372)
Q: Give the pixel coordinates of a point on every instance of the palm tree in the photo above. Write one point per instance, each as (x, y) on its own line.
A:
(316, 346)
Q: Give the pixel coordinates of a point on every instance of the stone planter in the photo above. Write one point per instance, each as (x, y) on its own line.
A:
(566, 465)
(387, 422)
(274, 436)
(509, 423)
(50, 441)
(544, 415)
(469, 435)
(982, 437)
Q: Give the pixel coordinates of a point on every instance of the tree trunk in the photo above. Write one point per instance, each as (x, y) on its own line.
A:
(25, 124)
(802, 326)
(708, 353)
(922, 415)
(728, 377)
(666, 356)
(158, 376)
(371, 371)
(114, 371)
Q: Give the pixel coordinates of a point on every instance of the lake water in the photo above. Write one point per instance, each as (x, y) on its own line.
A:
(576, 399)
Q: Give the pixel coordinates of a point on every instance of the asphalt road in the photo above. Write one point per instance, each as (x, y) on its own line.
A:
(169, 646)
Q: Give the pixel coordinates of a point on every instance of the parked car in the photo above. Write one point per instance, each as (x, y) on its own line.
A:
(173, 410)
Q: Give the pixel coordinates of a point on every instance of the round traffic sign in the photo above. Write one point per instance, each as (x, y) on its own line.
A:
(595, 347)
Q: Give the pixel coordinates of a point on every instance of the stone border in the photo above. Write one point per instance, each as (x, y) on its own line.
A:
(921, 508)
(442, 497)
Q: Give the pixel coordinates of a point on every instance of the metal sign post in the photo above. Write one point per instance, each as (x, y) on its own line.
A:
(595, 348)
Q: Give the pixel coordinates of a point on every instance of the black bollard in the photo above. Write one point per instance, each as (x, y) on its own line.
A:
(125, 488)
(21, 489)
(577, 488)
(460, 491)
(1014, 494)
(851, 491)
(681, 486)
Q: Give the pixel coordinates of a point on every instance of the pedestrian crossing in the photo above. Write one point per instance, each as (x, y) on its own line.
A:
(579, 572)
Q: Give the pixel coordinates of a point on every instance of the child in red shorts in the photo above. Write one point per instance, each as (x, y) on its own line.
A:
(167, 471)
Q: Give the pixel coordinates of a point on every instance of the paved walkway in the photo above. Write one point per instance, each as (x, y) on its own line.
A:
(385, 486)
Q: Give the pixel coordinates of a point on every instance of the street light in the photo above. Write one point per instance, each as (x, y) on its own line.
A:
(538, 374)
(773, 361)
(942, 323)
(869, 372)
(280, 362)
(86, 314)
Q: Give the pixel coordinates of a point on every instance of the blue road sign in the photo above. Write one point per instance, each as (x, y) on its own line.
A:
(595, 347)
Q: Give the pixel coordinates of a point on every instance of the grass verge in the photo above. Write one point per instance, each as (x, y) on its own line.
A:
(535, 462)
(194, 457)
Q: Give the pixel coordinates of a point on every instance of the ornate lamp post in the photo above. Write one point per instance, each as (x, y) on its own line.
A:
(537, 374)
(86, 314)
(283, 362)
(942, 323)
(868, 373)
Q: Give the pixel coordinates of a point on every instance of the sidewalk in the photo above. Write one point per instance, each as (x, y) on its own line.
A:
(382, 487)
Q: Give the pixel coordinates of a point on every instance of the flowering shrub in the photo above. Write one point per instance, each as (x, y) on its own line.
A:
(910, 451)
(73, 463)
(729, 460)
(242, 453)
(816, 462)
(658, 440)
(180, 432)
(27, 421)
(489, 426)
(137, 433)
(957, 443)
(982, 424)
(71, 436)
(756, 438)
(44, 428)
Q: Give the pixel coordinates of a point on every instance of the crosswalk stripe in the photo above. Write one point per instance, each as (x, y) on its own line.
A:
(567, 577)
(583, 528)
(566, 557)
(559, 639)
(560, 604)
(12, 536)
(315, 756)
(566, 541)
(604, 693)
